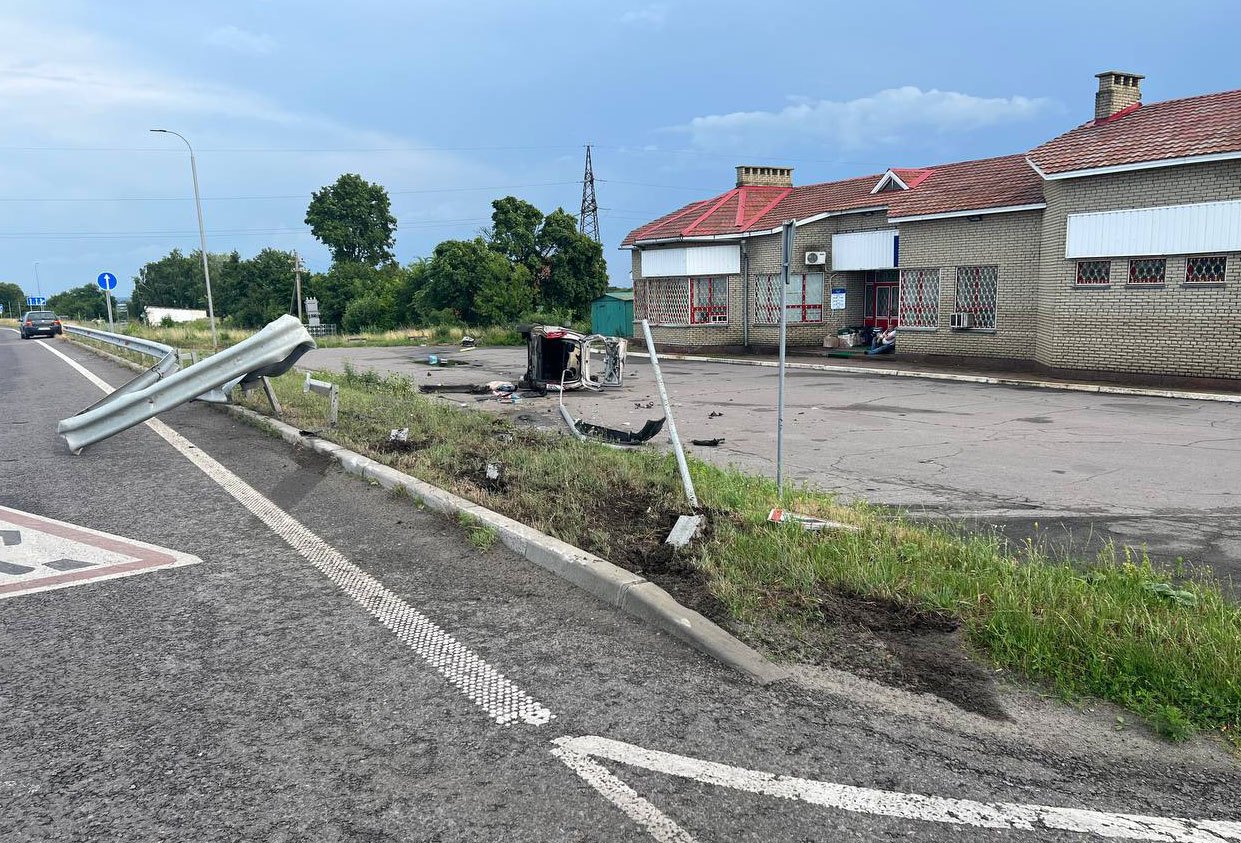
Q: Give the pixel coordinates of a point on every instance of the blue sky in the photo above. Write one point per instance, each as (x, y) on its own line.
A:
(450, 105)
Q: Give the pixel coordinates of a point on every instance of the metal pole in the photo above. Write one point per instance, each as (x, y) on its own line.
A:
(297, 278)
(686, 481)
(107, 299)
(787, 253)
(37, 283)
(202, 236)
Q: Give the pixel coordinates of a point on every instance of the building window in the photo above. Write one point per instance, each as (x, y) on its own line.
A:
(665, 301)
(803, 300)
(1094, 273)
(1147, 271)
(1205, 270)
(919, 298)
(976, 294)
(708, 301)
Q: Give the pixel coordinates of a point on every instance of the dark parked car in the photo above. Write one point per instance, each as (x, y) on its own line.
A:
(38, 322)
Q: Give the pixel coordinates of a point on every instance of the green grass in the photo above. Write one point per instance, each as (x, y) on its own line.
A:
(197, 335)
(1116, 627)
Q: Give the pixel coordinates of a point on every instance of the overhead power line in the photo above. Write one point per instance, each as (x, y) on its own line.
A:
(300, 196)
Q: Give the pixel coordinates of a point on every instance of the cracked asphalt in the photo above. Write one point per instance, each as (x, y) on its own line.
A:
(1070, 470)
(247, 698)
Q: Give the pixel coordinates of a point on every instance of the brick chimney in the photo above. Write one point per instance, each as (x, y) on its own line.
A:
(1117, 91)
(765, 176)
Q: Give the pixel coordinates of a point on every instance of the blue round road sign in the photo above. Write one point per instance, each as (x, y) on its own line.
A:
(107, 281)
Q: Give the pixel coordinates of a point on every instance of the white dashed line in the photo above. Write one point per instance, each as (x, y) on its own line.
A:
(489, 689)
(886, 803)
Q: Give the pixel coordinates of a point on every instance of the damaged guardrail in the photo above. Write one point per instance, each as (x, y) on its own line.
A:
(272, 351)
(332, 391)
(168, 360)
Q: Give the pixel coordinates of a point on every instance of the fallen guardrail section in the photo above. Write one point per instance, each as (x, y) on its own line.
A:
(272, 351)
(332, 391)
(168, 360)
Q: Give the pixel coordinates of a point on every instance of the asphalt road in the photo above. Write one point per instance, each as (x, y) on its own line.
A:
(1071, 470)
(254, 696)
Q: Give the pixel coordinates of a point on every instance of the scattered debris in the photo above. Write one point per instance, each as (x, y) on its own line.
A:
(644, 405)
(708, 443)
(556, 355)
(807, 522)
(467, 342)
(493, 470)
(501, 387)
(620, 437)
(401, 435)
(714, 415)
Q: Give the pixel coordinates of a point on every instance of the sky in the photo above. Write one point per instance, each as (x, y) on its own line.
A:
(450, 105)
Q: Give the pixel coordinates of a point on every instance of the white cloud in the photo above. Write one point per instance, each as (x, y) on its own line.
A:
(240, 40)
(654, 15)
(887, 117)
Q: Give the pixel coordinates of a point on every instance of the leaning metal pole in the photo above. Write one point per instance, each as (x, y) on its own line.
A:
(686, 481)
(787, 251)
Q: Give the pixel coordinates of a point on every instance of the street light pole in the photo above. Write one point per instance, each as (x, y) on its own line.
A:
(37, 283)
(202, 236)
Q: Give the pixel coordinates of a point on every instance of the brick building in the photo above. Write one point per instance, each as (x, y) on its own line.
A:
(1113, 249)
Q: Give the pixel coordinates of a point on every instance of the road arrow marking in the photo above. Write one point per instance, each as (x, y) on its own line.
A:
(578, 754)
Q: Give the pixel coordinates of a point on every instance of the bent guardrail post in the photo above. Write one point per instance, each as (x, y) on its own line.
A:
(272, 351)
(332, 391)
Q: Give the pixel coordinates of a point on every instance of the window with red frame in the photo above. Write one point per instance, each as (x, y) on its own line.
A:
(803, 300)
(708, 301)
(1094, 273)
(1147, 271)
(1206, 270)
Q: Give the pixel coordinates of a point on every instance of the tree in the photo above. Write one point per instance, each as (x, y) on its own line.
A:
(475, 282)
(567, 267)
(576, 273)
(85, 302)
(13, 299)
(352, 218)
(175, 280)
(255, 291)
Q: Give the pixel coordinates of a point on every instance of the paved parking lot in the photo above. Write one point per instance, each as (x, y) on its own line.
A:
(1074, 469)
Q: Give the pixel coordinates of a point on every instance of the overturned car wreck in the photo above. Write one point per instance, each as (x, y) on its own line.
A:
(559, 358)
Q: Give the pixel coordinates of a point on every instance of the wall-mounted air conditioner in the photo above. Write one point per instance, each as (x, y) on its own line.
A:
(816, 258)
(961, 321)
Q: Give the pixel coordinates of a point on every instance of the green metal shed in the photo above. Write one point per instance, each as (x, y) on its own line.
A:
(612, 314)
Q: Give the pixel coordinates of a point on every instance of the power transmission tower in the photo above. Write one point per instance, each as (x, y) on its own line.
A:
(588, 222)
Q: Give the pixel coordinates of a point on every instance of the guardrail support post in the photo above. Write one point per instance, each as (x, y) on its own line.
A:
(272, 399)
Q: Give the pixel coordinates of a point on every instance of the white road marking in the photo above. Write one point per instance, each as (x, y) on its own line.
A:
(42, 554)
(655, 822)
(480, 682)
(913, 806)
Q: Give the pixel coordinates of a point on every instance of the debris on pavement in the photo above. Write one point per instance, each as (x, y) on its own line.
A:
(707, 443)
(644, 405)
(714, 415)
(807, 522)
(684, 530)
(467, 342)
(620, 437)
(560, 357)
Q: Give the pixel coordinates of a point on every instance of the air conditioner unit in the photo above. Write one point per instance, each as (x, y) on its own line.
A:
(816, 258)
(962, 320)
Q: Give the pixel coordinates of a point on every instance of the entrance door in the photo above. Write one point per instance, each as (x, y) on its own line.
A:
(883, 304)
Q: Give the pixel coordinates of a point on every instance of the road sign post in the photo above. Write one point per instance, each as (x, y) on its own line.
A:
(107, 283)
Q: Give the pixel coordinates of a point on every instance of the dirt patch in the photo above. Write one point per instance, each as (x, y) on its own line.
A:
(898, 645)
(401, 446)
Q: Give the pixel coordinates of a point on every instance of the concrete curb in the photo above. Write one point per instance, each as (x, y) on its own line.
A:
(1222, 397)
(631, 593)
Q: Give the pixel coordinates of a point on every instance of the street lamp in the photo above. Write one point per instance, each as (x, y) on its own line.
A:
(202, 237)
(37, 283)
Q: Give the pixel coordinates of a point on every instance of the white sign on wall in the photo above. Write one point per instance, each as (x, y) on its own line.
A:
(692, 260)
(838, 298)
(865, 250)
(1198, 228)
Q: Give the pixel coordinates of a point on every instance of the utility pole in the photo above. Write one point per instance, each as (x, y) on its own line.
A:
(297, 282)
(37, 283)
(588, 221)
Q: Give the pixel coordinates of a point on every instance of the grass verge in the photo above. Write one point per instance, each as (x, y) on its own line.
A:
(197, 335)
(1164, 644)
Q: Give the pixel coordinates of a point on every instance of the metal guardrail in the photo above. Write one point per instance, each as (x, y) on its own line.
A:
(168, 360)
(151, 348)
(272, 351)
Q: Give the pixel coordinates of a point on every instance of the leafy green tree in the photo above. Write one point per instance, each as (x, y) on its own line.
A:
(13, 299)
(566, 266)
(257, 290)
(353, 219)
(477, 283)
(576, 273)
(175, 280)
(85, 302)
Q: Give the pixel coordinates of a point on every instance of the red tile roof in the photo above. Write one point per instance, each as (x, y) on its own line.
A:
(1174, 129)
(969, 186)
(909, 176)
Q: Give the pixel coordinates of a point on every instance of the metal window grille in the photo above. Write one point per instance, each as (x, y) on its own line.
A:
(920, 298)
(709, 301)
(803, 300)
(976, 293)
(665, 301)
(1094, 273)
(1206, 270)
(1147, 270)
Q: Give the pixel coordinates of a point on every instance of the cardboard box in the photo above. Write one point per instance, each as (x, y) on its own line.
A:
(831, 342)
